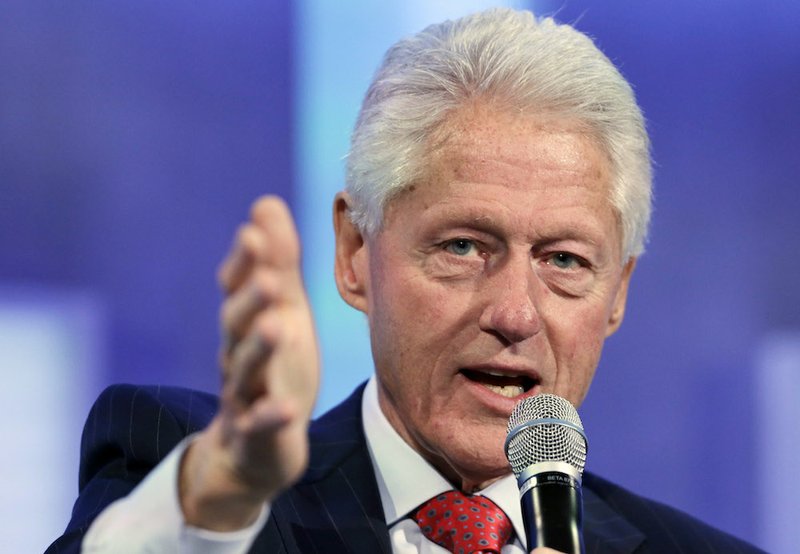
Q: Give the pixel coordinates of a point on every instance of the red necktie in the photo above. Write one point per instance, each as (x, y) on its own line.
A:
(464, 524)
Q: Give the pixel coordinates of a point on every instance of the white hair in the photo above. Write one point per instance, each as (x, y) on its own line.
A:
(535, 66)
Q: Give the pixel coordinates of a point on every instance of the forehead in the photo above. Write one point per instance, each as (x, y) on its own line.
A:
(481, 143)
(479, 131)
(540, 175)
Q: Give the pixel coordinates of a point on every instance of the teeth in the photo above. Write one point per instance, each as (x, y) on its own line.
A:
(509, 391)
(495, 374)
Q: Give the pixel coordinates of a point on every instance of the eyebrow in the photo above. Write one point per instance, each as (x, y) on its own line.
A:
(473, 216)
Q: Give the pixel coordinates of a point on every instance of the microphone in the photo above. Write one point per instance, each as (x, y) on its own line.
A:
(546, 447)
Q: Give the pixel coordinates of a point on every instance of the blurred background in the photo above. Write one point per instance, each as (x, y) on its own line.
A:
(135, 135)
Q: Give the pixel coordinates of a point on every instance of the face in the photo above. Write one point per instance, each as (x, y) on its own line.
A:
(495, 277)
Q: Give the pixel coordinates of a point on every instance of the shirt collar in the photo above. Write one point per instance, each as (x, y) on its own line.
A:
(406, 480)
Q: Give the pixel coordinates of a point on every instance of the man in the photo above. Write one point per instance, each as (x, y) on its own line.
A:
(498, 196)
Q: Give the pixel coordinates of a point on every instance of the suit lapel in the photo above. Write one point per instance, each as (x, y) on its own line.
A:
(605, 530)
(336, 507)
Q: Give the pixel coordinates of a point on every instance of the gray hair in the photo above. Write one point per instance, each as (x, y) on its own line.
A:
(532, 65)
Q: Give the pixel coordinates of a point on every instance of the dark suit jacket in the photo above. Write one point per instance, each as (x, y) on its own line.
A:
(336, 507)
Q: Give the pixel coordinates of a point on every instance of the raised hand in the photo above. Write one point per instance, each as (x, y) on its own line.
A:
(257, 445)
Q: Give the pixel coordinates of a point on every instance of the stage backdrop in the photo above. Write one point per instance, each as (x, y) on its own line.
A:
(134, 136)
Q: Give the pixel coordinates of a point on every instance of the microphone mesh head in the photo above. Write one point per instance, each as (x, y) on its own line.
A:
(545, 428)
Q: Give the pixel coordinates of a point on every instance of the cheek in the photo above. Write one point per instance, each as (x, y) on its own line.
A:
(419, 313)
(577, 326)
(398, 318)
(577, 342)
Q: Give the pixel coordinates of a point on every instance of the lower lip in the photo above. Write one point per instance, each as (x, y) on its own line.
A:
(497, 402)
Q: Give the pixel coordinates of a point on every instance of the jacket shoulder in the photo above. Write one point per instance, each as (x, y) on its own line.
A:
(128, 431)
(140, 424)
(667, 529)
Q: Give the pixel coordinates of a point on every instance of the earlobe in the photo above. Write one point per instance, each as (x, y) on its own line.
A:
(351, 268)
(618, 308)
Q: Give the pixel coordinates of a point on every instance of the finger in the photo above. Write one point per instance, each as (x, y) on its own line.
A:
(244, 377)
(240, 374)
(240, 308)
(272, 216)
(267, 415)
(238, 264)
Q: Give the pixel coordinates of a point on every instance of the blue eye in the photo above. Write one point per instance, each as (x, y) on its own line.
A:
(460, 247)
(564, 260)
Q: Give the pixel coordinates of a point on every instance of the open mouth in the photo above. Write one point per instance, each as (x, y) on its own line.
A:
(509, 386)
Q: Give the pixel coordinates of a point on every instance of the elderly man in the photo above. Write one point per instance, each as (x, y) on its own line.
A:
(498, 195)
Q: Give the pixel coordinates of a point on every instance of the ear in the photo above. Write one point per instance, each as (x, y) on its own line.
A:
(351, 265)
(618, 308)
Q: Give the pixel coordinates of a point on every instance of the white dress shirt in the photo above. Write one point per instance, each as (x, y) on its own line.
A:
(150, 520)
(405, 480)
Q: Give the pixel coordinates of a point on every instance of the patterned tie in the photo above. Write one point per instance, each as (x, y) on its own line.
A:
(464, 524)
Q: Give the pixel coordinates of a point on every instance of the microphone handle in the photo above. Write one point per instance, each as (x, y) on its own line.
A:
(552, 511)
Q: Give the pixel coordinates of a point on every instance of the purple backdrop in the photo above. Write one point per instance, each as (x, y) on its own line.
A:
(134, 135)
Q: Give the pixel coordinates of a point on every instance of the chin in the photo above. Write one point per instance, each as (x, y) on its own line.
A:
(477, 477)
(480, 461)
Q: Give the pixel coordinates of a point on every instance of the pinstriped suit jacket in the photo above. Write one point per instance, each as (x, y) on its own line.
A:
(336, 507)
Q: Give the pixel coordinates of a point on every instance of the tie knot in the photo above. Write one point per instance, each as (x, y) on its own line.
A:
(464, 524)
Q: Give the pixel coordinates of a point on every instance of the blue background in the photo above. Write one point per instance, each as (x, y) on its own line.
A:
(134, 136)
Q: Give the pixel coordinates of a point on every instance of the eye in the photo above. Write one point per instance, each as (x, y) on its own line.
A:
(565, 260)
(460, 247)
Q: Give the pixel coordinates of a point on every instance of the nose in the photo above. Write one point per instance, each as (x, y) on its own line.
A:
(510, 311)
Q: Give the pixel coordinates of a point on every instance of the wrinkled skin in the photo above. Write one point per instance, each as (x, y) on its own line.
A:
(503, 259)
